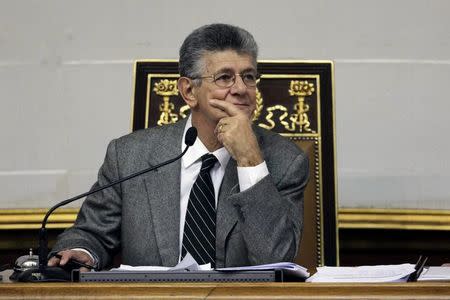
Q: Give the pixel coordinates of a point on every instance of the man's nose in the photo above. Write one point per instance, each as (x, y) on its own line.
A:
(239, 86)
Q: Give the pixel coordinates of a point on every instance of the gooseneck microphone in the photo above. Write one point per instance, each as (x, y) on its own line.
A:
(45, 273)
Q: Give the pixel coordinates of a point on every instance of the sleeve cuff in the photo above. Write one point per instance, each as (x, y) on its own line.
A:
(88, 253)
(249, 176)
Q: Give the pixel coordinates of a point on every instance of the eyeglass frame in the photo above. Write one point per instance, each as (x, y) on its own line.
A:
(213, 77)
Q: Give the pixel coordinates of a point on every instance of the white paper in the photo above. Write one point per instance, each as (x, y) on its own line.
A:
(435, 274)
(140, 268)
(188, 263)
(303, 272)
(379, 273)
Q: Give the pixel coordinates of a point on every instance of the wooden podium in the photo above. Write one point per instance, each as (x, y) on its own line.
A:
(301, 290)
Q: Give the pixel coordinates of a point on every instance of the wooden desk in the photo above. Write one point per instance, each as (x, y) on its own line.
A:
(416, 290)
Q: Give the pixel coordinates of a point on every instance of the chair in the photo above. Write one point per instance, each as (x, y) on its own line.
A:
(295, 99)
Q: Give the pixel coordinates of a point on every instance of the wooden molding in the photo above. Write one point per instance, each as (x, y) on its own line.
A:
(405, 219)
(32, 218)
(354, 218)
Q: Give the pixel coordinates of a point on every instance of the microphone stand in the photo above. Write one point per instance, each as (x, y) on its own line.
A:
(43, 237)
(45, 273)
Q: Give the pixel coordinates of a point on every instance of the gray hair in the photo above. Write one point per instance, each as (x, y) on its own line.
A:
(212, 38)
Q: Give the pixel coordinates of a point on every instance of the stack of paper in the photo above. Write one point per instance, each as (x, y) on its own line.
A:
(301, 271)
(435, 274)
(379, 273)
(189, 263)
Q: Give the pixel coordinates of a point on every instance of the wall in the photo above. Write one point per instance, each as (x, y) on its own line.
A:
(66, 87)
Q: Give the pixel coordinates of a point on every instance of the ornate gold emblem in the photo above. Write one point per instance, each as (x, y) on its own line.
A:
(299, 118)
(166, 88)
(301, 89)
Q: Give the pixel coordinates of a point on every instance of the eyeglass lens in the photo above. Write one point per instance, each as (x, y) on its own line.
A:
(228, 79)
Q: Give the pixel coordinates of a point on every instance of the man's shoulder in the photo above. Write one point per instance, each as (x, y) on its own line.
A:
(274, 143)
(148, 136)
(282, 154)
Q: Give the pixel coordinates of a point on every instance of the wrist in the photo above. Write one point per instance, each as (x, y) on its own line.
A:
(251, 160)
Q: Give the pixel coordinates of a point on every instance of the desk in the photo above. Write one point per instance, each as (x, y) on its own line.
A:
(413, 290)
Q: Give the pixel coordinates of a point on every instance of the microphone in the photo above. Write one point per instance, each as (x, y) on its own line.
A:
(191, 136)
(45, 273)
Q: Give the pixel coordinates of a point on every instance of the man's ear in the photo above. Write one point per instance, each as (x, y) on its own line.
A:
(186, 89)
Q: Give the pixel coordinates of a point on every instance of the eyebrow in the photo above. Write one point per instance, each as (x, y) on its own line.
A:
(250, 69)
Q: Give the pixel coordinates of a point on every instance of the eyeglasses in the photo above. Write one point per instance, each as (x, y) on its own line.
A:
(227, 79)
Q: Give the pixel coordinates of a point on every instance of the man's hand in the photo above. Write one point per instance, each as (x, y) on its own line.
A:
(236, 135)
(77, 255)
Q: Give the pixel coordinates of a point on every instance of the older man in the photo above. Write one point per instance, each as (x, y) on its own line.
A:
(235, 198)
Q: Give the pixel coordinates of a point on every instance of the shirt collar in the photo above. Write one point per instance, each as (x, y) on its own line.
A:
(197, 150)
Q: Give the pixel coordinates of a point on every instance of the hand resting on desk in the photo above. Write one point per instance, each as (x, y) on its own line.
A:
(68, 255)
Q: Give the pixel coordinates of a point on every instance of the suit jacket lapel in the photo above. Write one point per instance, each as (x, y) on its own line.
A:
(226, 213)
(163, 188)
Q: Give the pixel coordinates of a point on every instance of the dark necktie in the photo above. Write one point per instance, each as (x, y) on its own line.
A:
(199, 238)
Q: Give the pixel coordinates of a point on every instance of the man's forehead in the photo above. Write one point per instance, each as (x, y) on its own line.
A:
(228, 60)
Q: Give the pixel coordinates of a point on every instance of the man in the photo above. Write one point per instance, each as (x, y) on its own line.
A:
(244, 208)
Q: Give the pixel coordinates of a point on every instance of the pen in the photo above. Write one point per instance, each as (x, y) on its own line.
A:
(422, 265)
(418, 268)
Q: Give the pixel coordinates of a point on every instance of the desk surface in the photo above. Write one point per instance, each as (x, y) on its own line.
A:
(413, 290)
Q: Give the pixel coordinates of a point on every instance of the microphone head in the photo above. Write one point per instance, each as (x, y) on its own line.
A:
(191, 136)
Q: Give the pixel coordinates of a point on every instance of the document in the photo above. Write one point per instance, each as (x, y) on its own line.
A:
(435, 274)
(378, 273)
(281, 265)
(188, 263)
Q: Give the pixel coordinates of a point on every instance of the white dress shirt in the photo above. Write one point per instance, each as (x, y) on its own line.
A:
(190, 168)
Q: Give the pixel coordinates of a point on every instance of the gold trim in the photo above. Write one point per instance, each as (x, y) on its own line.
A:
(357, 218)
(32, 218)
(333, 116)
(133, 96)
(319, 141)
(404, 219)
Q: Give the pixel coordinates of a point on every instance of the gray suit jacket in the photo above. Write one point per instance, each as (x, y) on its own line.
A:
(141, 217)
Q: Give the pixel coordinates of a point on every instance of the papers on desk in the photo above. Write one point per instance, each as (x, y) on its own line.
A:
(379, 273)
(189, 264)
(282, 265)
(435, 274)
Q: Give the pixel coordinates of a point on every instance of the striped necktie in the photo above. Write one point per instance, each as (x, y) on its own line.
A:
(199, 238)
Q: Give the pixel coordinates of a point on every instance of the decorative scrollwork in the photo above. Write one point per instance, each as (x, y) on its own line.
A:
(270, 111)
(299, 118)
(184, 111)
